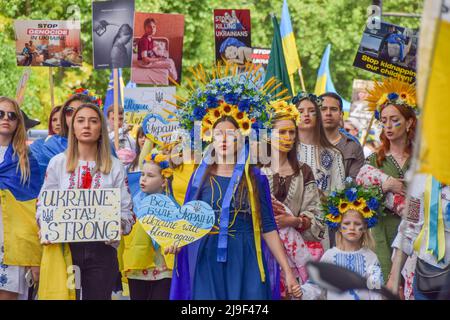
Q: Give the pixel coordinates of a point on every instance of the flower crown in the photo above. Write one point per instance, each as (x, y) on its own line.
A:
(86, 92)
(281, 110)
(305, 95)
(226, 94)
(162, 161)
(391, 91)
(366, 201)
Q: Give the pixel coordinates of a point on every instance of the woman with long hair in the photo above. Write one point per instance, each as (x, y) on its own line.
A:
(19, 189)
(295, 197)
(394, 106)
(88, 164)
(140, 141)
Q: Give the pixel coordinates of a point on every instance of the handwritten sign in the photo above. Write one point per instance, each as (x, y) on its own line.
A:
(170, 225)
(79, 215)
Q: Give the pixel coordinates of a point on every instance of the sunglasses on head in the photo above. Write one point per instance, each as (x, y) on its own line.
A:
(10, 115)
(69, 111)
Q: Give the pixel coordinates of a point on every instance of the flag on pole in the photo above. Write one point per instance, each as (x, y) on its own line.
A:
(289, 46)
(109, 98)
(277, 63)
(324, 82)
(434, 81)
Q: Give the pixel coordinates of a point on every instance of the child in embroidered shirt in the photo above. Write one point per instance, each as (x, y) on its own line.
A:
(150, 279)
(352, 217)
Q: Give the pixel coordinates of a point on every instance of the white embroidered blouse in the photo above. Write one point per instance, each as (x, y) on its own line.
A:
(57, 177)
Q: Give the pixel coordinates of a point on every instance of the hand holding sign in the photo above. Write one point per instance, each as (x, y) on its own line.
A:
(171, 226)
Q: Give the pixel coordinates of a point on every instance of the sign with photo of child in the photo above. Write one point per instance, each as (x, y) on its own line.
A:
(79, 215)
(169, 225)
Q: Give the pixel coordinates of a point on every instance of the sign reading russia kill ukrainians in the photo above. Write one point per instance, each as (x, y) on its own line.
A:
(139, 102)
(232, 30)
(79, 215)
(389, 50)
(48, 43)
(169, 225)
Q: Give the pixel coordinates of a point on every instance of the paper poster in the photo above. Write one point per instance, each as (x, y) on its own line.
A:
(157, 48)
(112, 33)
(232, 30)
(48, 43)
(141, 102)
(79, 215)
(390, 51)
(261, 56)
(170, 225)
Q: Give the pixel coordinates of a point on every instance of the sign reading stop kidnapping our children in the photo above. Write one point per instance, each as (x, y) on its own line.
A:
(79, 215)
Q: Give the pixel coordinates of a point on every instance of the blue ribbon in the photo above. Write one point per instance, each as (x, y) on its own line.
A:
(222, 245)
(435, 197)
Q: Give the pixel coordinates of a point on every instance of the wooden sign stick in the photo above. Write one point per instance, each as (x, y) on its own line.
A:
(52, 93)
(21, 85)
(116, 108)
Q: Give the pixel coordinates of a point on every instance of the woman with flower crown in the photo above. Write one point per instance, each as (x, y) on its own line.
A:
(232, 261)
(295, 197)
(394, 105)
(352, 211)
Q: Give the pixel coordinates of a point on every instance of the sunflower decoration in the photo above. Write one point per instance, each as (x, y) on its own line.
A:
(391, 91)
(224, 92)
(367, 201)
(282, 110)
(90, 94)
(162, 161)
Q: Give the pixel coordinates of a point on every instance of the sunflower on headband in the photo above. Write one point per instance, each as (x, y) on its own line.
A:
(282, 110)
(92, 96)
(162, 161)
(367, 201)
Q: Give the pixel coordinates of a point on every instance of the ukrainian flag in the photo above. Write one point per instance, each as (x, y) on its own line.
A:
(433, 83)
(289, 46)
(324, 82)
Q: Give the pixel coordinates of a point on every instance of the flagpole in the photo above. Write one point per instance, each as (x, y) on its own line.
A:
(300, 73)
(52, 93)
(368, 130)
(116, 108)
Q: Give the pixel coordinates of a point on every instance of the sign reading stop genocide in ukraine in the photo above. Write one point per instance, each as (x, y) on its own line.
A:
(79, 215)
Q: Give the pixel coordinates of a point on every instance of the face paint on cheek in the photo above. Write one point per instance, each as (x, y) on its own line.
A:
(397, 124)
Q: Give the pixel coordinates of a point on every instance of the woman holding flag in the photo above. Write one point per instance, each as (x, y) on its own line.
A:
(19, 188)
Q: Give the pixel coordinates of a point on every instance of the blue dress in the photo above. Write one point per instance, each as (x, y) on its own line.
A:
(238, 278)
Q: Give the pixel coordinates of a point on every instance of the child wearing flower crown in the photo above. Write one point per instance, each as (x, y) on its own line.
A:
(144, 263)
(351, 212)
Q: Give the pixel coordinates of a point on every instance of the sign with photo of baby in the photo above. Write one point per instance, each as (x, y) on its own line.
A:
(169, 225)
(232, 29)
(79, 215)
(48, 43)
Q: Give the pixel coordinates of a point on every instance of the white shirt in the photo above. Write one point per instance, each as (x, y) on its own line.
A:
(327, 166)
(57, 177)
(364, 262)
(409, 230)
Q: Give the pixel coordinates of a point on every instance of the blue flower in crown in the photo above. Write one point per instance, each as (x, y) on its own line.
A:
(212, 101)
(351, 194)
(393, 96)
(199, 113)
(373, 204)
(244, 105)
(231, 98)
(333, 194)
(377, 114)
(372, 222)
(333, 210)
(349, 180)
(164, 164)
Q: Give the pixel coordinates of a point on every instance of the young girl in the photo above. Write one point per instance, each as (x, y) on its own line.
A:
(295, 195)
(87, 164)
(19, 188)
(228, 263)
(352, 211)
(140, 140)
(146, 265)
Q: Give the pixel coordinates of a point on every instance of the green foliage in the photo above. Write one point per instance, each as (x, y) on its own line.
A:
(316, 23)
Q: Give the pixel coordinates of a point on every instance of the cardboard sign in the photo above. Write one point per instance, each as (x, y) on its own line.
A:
(157, 48)
(48, 43)
(390, 51)
(232, 29)
(79, 215)
(139, 102)
(112, 33)
(159, 127)
(171, 225)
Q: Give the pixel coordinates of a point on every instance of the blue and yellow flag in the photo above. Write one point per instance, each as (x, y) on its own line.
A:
(324, 82)
(289, 47)
(433, 84)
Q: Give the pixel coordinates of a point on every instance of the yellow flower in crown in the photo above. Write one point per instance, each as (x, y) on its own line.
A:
(344, 206)
(162, 161)
(281, 110)
(358, 204)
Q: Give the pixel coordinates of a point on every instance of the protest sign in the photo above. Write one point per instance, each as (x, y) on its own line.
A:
(261, 56)
(79, 215)
(157, 48)
(140, 102)
(390, 51)
(48, 43)
(112, 33)
(170, 225)
(232, 29)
